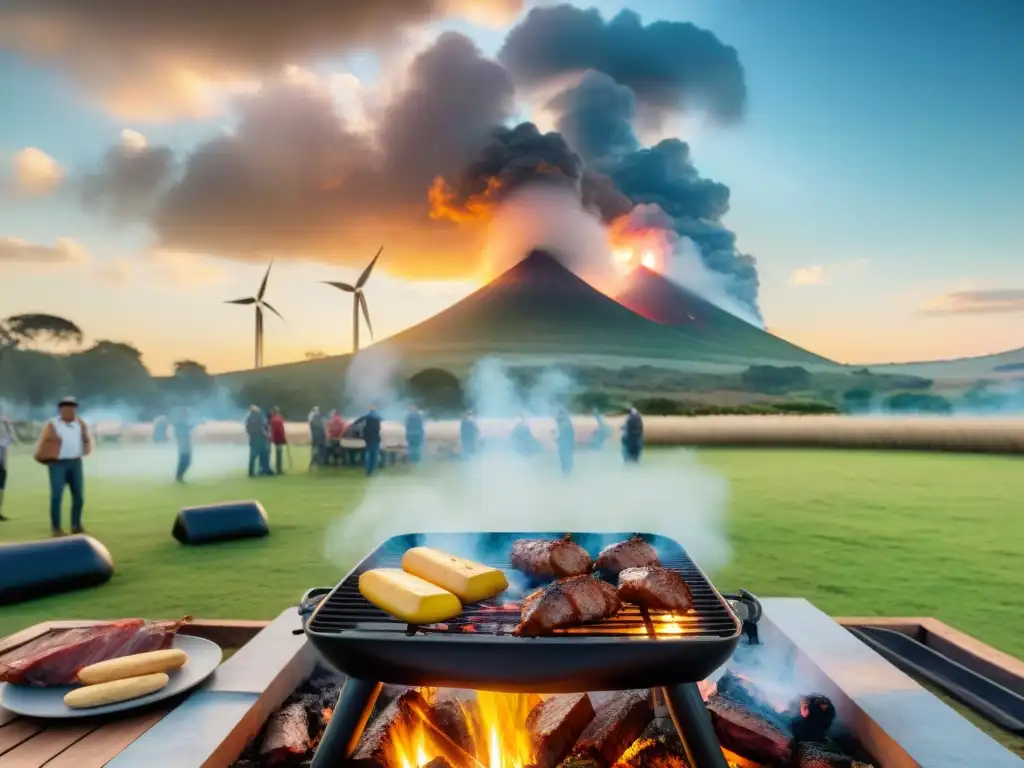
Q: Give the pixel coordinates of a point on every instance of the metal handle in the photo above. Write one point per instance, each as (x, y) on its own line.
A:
(752, 607)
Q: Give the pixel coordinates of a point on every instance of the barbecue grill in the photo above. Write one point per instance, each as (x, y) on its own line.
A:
(634, 649)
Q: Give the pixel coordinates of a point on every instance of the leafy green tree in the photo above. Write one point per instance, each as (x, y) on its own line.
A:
(775, 380)
(436, 390)
(20, 331)
(33, 379)
(112, 373)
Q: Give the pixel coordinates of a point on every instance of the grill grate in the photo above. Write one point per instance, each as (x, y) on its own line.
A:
(346, 611)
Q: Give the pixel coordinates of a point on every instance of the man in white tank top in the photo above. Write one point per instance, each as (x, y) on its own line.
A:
(63, 444)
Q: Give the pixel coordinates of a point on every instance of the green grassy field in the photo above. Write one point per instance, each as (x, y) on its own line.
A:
(857, 533)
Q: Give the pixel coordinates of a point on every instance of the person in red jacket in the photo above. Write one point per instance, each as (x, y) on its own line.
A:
(278, 438)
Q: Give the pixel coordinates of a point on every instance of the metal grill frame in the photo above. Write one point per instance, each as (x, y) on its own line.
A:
(389, 651)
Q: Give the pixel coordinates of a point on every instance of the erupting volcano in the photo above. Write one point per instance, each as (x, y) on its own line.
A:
(542, 309)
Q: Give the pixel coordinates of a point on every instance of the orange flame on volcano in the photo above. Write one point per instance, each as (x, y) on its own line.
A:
(444, 203)
(633, 246)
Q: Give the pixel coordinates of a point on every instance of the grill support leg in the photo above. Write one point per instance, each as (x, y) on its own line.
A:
(355, 705)
(693, 723)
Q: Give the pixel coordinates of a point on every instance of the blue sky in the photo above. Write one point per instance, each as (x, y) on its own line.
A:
(879, 166)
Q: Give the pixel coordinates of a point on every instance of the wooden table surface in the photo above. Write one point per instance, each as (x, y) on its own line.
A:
(93, 742)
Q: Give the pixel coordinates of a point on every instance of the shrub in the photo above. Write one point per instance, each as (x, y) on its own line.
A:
(806, 407)
(917, 402)
(658, 406)
(771, 379)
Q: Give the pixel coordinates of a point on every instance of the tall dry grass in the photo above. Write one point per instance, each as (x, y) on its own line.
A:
(972, 435)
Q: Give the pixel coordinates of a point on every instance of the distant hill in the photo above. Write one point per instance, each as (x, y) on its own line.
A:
(539, 312)
(1010, 363)
(657, 298)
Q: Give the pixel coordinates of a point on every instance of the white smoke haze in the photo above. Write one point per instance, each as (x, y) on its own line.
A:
(551, 217)
(500, 491)
(686, 268)
(371, 381)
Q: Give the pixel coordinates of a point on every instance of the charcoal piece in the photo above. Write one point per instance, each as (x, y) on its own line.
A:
(650, 753)
(437, 762)
(748, 733)
(287, 734)
(448, 713)
(822, 756)
(616, 725)
(662, 729)
(811, 718)
(402, 712)
(555, 724)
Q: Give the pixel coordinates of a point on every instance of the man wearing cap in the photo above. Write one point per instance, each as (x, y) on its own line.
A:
(62, 445)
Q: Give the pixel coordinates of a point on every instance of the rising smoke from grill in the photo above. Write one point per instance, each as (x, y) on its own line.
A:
(499, 490)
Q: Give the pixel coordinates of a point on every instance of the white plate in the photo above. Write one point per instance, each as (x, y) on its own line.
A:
(203, 658)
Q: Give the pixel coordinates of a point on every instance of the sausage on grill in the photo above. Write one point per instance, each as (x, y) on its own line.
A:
(549, 558)
(567, 603)
(633, 553)
(654, 587)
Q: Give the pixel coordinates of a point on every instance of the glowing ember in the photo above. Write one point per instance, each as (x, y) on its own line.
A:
(634, 246)
(497, 727)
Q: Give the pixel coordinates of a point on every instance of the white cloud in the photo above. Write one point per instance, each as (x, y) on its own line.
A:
(818, 274)
(976, 302)
(64, 252)
(35, 172)
(162, 267)
(132, 140)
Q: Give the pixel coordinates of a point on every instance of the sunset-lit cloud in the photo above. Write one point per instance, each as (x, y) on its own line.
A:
(159, 267)
(35, 172)
(64, 252)
(818, 274)
(157, 61)
(981, 302)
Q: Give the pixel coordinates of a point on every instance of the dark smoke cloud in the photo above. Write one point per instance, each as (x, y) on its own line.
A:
(293, 180)
(514, 157)
(596, 117)
(671, 66)
(154, 58)
(127, 181)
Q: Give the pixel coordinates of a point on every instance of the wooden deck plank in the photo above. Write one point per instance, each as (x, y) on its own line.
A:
(104, 744)
(6, 716)
(45, 745)
(14, 733)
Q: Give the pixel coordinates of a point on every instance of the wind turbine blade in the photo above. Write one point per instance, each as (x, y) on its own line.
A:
(241, 301)
(263, 303)
(369, 268)
(361, 298)
(263, 285)
(343, 286)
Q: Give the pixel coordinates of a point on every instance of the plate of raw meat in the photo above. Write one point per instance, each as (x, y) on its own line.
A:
(36, 677)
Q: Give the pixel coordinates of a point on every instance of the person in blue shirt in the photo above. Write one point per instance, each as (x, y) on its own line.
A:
(414, 433)
(371, 436)
(632, 437)
(183, 427)
(522, 439)
(259, 442)
(566, 440)
(469, 435)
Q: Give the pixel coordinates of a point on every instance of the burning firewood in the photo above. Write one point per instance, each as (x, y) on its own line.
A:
(402, 713)
(287, 735)
(811, 718)
(662, 729)
(555, 724)
(616, 725)
(448, 712)
(748, 733)
(437, 762)
(650, 753)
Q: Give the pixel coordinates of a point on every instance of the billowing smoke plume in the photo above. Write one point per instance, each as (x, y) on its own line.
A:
(502, 491)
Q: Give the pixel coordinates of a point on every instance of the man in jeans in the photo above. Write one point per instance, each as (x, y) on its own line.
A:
(183, 427)
(63, 444)
(259, 448)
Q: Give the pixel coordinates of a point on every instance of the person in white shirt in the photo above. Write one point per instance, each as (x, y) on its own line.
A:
(7, 439)
(62, 445)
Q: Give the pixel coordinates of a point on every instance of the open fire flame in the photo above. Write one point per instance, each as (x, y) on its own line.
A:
(497, 729)
(635, 246)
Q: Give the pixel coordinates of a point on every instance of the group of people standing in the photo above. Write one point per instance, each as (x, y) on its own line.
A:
(266, 431)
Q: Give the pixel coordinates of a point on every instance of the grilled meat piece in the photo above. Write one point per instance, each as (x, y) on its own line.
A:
(567, 603)
(555, 724)
(661, 589)
(633, 553)
(549, 558)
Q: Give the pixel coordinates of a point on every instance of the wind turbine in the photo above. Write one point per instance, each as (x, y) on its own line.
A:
(358, 300)
(260, 304)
